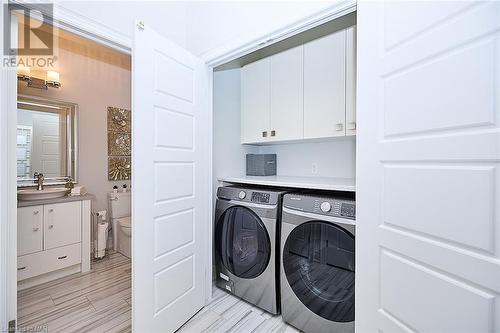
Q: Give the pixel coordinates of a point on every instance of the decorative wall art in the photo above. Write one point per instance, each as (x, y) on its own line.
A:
(119, 168)
(119, 144)
(118, 120)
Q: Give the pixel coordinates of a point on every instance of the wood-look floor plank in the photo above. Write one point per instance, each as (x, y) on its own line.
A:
(201, 321)
(95, 301)
(227, 313)
(100, 301)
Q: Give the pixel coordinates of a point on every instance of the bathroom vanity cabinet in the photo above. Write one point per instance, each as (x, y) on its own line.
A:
(53, 238)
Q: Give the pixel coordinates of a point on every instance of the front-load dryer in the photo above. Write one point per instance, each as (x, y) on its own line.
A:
(317, 262)
(247, 230)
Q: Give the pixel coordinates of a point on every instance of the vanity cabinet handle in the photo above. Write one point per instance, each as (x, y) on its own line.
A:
(51, 226)
(63, 257)
(36, 212)
(36, 229)
(273, 133)
(21, 268)
(264, 134)
(51, 210)
(339, 127)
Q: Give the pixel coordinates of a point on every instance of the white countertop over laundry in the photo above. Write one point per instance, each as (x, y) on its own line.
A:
(313, 183)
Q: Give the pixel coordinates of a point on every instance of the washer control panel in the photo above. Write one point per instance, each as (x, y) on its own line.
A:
(254, 195)
(260, 197)
(330, 206)
(325, 206)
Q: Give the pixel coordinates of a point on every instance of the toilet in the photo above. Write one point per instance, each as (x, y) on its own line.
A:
(119, 204)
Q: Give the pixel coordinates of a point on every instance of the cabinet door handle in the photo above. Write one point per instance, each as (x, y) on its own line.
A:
(51, 226)
(36, 229)
(273, 133)
(51, 210)
(339, 127)
(35, 212)
(63, 257)
(352, 125)
(21, 268)
(264, 134)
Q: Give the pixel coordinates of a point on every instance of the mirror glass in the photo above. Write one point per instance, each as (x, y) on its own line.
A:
(46, 141)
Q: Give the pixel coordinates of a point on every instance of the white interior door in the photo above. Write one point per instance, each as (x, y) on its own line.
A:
(46, 153)
(170, 128)
(428, 176)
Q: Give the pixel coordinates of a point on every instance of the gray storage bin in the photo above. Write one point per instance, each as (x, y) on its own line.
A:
(261, 164)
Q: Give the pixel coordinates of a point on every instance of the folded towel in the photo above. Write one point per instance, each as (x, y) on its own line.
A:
(78, 190)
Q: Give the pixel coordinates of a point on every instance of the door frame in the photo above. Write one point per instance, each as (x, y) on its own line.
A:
(100, 33)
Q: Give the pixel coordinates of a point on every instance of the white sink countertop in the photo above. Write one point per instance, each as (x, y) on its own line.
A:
(313, 183)
(67, 198)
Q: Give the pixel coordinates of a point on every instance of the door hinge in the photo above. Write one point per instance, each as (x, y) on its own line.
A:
(140, 25)
(12, 326)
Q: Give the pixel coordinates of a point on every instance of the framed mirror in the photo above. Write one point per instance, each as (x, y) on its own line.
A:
(46, 140)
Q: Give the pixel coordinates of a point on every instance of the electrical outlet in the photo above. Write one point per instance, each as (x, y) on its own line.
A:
(314, 168)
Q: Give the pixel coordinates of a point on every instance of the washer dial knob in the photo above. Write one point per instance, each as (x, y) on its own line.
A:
(326, 207)
(242, 195)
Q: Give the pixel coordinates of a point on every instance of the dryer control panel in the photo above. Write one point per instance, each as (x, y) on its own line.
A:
(322, 205)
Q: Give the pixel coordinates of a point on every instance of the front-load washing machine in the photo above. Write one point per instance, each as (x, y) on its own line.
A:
(317, 262)
(247, 230)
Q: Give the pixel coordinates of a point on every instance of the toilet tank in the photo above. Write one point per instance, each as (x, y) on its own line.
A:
(119, 204)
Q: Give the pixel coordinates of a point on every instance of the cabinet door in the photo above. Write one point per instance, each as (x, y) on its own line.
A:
(324, 86)
(350, 82)
(255, 102)
(287, 89)
(62, 224)
(29, 229)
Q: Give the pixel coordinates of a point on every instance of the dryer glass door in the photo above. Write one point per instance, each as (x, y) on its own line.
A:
(242, 242)
(318, 259)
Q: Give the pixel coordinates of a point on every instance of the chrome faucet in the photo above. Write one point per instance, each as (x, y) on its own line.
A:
(39, 180)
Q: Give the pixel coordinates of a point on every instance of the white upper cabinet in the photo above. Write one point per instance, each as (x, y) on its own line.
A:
(287, 86)
(255, 101)
(307, 92)
(350, 82)
(325, 86)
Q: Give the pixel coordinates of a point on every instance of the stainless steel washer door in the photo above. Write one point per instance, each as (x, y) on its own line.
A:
(318, 262)
(242, 242)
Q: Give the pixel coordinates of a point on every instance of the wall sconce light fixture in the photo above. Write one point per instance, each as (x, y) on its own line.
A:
(53, 79)
(24, 74)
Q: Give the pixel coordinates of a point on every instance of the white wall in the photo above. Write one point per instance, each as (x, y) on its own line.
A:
(336, 158)
(199, 26)
(228, 153)
(213, 24)
(93, 85)
(166, 17)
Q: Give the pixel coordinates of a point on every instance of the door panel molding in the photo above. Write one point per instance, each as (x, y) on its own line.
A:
(427, 161)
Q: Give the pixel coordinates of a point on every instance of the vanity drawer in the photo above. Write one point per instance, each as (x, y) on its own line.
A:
(34, 264)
